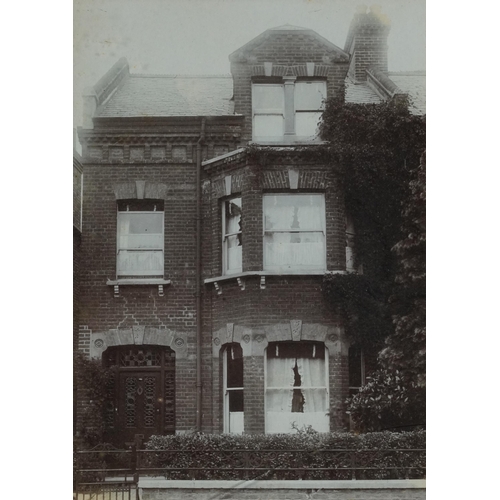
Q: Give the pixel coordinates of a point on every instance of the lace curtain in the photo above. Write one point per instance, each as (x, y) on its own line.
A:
(280, 383)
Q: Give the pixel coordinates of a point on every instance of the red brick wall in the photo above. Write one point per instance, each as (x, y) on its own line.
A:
(370, 50)
(286, 49)
(284, 297)
(141, 305)
(253, 378)
(367, 43)
(138, 304)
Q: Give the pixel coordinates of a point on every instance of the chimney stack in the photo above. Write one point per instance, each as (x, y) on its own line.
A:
(367, 42)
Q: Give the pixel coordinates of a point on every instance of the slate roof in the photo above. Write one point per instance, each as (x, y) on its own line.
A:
(171, 95)
(360, 93)
(412, 83)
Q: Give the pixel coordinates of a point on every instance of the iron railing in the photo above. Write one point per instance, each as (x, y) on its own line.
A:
(105, 473)
(332, 464)
(112, 474)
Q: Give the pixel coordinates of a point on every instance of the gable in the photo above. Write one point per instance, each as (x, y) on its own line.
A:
(288, 44)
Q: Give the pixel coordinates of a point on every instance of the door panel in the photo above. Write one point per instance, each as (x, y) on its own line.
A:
(139, 405)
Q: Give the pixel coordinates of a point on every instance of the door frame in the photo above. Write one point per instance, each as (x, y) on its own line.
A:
(111, 359)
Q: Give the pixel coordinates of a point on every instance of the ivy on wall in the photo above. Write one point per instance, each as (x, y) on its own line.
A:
(379, 148)
(375, 147)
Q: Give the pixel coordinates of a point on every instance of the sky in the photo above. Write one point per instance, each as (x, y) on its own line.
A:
(197, 36)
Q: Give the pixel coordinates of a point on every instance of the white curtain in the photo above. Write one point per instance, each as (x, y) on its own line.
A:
(140, 231)
(280, 250)
(280, 375)
(310, 217)
(312, 373)
(233, 224)
(279, 217)
(140, 263)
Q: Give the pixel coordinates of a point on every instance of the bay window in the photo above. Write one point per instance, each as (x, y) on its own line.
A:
(231, 236)
(296, 386)
(140, 239)
(294, 232)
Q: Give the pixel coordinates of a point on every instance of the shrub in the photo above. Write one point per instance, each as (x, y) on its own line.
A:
(92, 380)
(208, 456)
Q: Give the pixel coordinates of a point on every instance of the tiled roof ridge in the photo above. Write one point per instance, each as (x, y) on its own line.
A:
(289, 27)
(417, 72)
(159, 75)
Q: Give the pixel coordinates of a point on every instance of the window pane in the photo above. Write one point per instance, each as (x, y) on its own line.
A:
(235, 401)
(234, 254)
(295, 385)
(310, 95)
(306, 124)
(139, 263)
(233, 215)
(304, 349)
(285, 212)
(140, 223)
(268, 126)
(294, 251)
(234, 358)
(268, 97)
(137, 230)
(136, 241)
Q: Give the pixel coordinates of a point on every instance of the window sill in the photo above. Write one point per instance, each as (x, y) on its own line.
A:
(239, 277)
(287, 143)
(159, 282)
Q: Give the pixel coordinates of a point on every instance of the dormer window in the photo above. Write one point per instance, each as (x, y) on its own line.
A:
(288, 111)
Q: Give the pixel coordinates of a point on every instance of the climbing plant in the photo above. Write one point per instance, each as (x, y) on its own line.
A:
(377, 149)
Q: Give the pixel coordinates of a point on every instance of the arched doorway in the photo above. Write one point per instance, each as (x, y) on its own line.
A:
(141, 392)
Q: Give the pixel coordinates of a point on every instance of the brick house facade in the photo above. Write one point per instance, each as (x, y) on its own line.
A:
(201, 264)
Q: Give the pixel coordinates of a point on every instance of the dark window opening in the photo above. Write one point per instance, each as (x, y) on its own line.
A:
(234, 366)
(236, 400)
(361, 365)
(303, 349)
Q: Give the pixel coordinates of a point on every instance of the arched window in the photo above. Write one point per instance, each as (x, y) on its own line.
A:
(233, 389)
(297, 393)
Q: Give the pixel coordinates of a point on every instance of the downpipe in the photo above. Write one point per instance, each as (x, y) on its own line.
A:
(198, 275)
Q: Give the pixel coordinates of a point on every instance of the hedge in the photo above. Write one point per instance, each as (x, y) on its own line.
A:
(209, 456)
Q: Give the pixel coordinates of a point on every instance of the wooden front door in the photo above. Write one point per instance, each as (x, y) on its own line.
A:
(139, 405)
(141, 393)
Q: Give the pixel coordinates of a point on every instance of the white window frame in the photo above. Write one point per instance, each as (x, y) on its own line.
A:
(350, 253)
(319, 110)
(302, 268)
(268, 112)
(225, 236)
(141, 272)
(292, 416)
(229, 423)
(288, 113)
